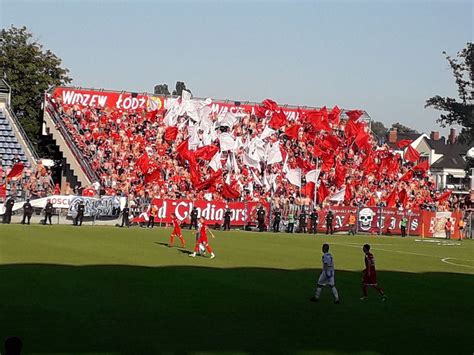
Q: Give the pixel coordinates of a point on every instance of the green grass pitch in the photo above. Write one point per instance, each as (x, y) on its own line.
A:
(106, 290)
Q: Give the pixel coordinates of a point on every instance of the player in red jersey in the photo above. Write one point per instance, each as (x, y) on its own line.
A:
(369, 275)
(202, 240)
(176, 232)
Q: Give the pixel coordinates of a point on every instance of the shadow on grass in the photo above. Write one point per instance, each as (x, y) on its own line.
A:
(182, 309)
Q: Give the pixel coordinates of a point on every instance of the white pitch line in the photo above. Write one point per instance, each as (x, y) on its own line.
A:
(445, 260)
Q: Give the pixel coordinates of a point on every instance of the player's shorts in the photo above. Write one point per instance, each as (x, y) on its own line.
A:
(370, 280)
(176, 231)
(202, 240)
(324, 280)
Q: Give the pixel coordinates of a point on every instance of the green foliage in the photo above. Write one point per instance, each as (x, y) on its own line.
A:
(180, 86)
(30, 70)
(379, 129)
(403, 129)
(459, 111)
(161, 89)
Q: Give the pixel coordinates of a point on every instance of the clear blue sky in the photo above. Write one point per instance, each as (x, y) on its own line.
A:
(381, 56)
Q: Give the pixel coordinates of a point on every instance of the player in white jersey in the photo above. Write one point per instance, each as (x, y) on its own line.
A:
(327, 276)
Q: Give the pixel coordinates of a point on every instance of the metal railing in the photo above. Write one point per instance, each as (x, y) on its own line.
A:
(62, 129)
(26, 140)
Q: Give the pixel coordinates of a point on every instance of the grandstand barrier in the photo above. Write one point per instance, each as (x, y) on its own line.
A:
(370, 220)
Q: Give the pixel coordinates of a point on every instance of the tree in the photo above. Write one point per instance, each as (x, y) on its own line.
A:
(459, 111)
(379, 129)
(403, 129)
(30, 71)
(161, 89)
(180, 86)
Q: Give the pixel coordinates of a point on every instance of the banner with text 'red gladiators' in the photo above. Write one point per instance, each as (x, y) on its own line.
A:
(108, 99)
(242, 213)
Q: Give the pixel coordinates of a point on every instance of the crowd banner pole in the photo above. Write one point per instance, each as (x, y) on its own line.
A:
(408, 224)
(357, 222)
(380, 220)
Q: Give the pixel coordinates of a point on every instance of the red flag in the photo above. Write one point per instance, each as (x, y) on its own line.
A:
(371, 202)
(348, 194)
(278, 120)
(183, 149)
(194, 172)
(292, 131)
(393, 166)
(334, 115)
(260, 111)
(391, 199)
(229, 192)
(317, 151)
(351, 129)
(404, 143)
(3, 190)
(155, 175)
(411, 154)
(206, 152)
(308, 190)
(303, 164)
(340, 177)
(423, 166)
(354, 115)
(143, 163)
(319, 121)
(407, 177)
(209, 183)
(270, 105)
(323, 192)
(403, 197)
(362, 139)
(444, 196)
(16, 171)
(331, 141)
(171, 133)
(151, 116)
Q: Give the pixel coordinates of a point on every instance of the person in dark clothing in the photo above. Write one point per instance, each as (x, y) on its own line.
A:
(80, 214)
(329, 221)
(13, 346)
(261, 219)
(48, 212)
(227, 215)
(27, 212)
(194, 219)
(276, 220)
(7, 216)
(125, 214)
(314, 221)
(302, 221)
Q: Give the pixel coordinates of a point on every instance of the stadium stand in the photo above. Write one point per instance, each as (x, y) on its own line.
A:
(169, 152)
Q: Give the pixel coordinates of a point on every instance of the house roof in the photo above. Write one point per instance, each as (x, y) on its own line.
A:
(453, 155)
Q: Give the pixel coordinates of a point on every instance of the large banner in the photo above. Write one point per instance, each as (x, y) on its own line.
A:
(104, 99)
(106, 207)
(221, 108)
(243, 213)
(58, 201)
(369, 220)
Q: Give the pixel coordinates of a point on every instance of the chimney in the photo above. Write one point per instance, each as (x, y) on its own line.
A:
(392, 135)
(452, 136)
(434, 135)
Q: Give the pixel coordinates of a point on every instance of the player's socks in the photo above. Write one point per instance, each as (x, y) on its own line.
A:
(379, 289)
(318, 292)
(335, 294)
(192, 255)
(213, 255)
(365, 291)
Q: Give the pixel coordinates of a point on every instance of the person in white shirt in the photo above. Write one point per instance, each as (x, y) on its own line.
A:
(327, 276)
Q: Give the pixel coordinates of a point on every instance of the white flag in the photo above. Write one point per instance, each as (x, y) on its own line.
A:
(226, 142)
(274, 154)
(267, 132)
(313, 175)
(339, 195)
(294, 177)
(256, 179)
(250, 162)
(215, 163)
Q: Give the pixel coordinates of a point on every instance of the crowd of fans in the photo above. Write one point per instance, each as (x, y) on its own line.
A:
(32, 183)
(115, 143)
